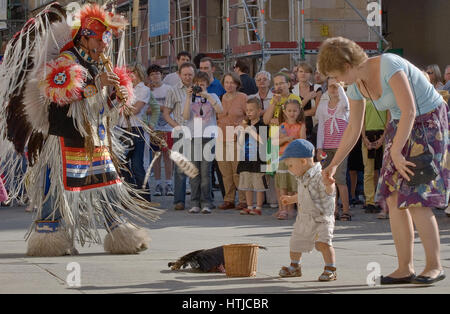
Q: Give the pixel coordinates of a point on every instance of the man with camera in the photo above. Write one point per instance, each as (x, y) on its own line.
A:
(174, 104)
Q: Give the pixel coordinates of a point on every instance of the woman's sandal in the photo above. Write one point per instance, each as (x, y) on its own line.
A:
(255, 211)
(283, 215)
(290, 271)
(345, 217)
(245, 211)
(383, 215)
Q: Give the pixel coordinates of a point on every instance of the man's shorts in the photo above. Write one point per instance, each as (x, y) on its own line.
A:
(253, 181)
(167, 136)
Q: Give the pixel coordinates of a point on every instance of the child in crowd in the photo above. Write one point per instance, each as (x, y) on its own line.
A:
(163, 129)
(292, 127)
(314, 225)
(251, 169)
(199, 113)
(333, 114)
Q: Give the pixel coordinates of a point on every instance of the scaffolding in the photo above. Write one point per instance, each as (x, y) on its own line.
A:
(249, 19)
(297, 47)
(184, 33)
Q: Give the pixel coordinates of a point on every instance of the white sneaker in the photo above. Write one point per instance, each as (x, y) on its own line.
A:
(206, 210)
(169, 190)
(275, 205)
(194, 210)
(158, 190)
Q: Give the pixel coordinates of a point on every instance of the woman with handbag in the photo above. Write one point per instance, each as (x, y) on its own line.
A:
(418, 131)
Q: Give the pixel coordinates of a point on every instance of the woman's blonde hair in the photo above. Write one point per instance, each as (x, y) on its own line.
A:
(139, 70)
(336, 52)
(306, 67)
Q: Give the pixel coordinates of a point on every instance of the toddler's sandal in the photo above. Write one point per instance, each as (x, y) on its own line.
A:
(290, 271)
(329, 274)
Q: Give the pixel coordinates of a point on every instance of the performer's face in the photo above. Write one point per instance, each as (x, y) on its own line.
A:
(95, 47)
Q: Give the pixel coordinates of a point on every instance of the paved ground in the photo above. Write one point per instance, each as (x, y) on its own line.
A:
(357, 243)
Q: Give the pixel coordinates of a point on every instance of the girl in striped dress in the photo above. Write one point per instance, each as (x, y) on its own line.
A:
(333, 113)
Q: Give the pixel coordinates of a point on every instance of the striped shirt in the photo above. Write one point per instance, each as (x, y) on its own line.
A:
(312, 182)
(334, 130)
(175, 99)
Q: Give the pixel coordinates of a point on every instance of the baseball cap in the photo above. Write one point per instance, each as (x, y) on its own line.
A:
(298, 149)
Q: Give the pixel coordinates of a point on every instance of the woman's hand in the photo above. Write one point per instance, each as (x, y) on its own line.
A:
(367, 143)
(206, 95)
(328, 175)
(319, 154)
(274, 121)
(276, 98)
(401, 164)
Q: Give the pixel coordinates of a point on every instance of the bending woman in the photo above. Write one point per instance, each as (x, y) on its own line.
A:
(395, 84)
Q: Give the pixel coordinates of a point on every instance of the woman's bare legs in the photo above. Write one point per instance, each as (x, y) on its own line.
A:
(403, 234)
(428, 230)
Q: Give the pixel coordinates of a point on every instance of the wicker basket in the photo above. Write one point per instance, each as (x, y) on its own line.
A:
(240, 259)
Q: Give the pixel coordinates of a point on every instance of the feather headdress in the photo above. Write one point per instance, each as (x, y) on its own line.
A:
(94, 21)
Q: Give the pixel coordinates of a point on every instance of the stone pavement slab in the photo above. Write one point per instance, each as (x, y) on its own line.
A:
(357, 243)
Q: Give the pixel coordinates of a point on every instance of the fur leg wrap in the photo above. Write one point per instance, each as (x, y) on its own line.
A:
(125, 238)
(48, 239)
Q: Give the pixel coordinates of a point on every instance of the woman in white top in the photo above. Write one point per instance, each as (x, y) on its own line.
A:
(435, 76)
(136, 155)
(332, 114)
(310, 98)
(263, 81)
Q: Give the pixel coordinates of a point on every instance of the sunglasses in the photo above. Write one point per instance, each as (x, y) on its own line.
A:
(429, 72)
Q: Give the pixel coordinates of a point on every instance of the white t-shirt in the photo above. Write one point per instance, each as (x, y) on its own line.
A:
(266, 101)
(141, 93)
(160, 94)
(172, 79)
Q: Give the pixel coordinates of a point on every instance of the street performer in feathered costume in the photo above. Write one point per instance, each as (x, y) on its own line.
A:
(60, 102)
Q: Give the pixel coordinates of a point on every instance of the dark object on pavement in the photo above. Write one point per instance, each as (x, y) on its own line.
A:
(210, 260)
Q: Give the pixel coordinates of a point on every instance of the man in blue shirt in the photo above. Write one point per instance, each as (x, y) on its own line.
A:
(207, 66)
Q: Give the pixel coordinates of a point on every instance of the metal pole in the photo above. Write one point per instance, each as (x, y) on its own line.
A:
(226, 35)
(299, 28)
(261, 4)
(302, 44)
(365, 20)
(380, 44)
(193, 28)
(291, 26)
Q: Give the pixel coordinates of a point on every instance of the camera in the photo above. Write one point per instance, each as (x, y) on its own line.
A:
(195, 90)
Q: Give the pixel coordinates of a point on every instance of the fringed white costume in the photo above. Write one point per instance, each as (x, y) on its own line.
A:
(54, 105)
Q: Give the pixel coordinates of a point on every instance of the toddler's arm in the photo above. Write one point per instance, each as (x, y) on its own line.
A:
(289, 199)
